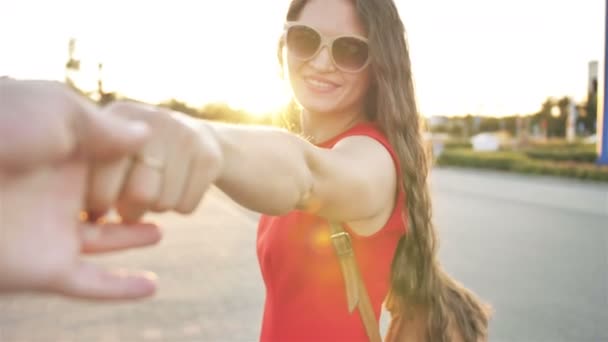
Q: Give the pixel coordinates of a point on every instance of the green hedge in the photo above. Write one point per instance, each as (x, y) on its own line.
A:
(458, 144)
(561, 145)
(579, 155)
(518, 162)
(491, 160)
(580, 171)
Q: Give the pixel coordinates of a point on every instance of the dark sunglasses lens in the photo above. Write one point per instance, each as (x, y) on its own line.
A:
(303, 41)
(350, 53)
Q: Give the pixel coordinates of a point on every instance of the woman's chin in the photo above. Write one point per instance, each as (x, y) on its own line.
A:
(318, 105)
(319, 108)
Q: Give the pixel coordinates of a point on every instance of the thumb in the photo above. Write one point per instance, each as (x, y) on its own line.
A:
(89, 281)
(106, 136)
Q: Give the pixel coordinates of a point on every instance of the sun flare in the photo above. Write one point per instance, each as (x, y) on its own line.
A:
(201, 52)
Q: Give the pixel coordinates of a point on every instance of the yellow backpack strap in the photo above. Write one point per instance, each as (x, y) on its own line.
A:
(356, 293)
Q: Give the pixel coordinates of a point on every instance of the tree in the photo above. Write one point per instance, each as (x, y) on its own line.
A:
(590, 118)
(182, 107)
(510, 124)
(72, 65)
(489, 124)
(552, 117)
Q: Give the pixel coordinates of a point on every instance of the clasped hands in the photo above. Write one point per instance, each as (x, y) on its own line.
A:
(61, 155)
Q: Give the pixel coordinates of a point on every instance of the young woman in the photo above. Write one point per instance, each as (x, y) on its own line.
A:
(358, 159)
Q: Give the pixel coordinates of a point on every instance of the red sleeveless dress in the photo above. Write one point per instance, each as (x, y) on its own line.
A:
(305, 295)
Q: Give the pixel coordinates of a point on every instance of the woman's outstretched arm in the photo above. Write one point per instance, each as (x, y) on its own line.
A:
(265, 169)
(273, 171)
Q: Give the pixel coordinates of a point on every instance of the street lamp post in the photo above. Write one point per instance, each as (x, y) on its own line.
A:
(602, 109)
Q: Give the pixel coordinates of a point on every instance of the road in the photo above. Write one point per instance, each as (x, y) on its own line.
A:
(536, 248)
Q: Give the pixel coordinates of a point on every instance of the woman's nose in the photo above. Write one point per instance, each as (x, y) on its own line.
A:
(323, 62)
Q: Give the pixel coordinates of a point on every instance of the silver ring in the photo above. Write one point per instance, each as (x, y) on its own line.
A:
(151, 162)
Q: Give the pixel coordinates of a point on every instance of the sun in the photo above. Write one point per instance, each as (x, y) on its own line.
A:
(266, 98)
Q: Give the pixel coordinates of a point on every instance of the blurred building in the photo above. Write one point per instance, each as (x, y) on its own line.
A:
(492, 141)
(437, 120)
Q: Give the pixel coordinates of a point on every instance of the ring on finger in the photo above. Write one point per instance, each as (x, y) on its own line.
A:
(151, 162)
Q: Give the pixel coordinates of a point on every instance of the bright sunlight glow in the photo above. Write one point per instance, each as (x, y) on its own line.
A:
(469, 56)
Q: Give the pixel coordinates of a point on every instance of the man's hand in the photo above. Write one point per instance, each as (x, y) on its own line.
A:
(42, 238)
(50, 136)
(44, 122)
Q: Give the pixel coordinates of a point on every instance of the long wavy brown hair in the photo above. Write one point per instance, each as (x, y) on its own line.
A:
(418, 282)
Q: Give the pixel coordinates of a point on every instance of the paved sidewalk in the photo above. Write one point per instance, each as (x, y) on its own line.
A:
(210, 288)
(535, 247)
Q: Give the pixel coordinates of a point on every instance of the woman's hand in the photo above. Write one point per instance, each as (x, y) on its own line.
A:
(171, 172)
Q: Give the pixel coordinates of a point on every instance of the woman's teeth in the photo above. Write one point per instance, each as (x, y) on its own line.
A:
(320, 84)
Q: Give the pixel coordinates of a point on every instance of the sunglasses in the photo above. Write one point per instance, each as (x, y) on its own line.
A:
(349, 53)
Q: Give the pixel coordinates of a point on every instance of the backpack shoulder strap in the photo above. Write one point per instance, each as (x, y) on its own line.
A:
(356, 293)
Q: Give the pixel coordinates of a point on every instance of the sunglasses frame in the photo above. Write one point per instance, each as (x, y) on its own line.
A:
(327, 42)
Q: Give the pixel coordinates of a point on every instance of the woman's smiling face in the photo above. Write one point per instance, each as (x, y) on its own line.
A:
(318, 85)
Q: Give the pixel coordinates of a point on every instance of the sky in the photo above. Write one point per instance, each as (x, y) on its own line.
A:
(486, 57)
